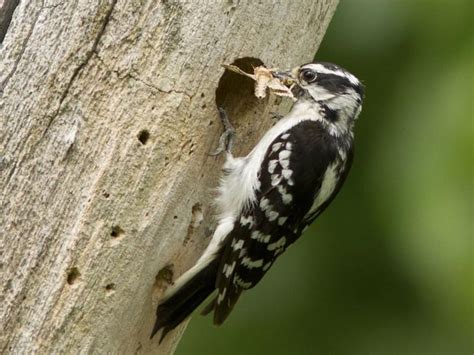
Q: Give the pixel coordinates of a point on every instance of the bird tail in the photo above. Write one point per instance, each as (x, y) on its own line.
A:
(188, 292)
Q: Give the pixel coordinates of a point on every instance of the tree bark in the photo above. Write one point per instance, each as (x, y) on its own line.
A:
(107, 112)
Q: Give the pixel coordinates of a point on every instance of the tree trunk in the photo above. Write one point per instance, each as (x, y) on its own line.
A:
(108, 111)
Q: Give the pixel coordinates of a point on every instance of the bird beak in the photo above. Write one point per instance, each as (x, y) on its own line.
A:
(288, 77)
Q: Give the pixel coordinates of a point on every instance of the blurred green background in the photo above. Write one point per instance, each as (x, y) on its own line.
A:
(387, 268)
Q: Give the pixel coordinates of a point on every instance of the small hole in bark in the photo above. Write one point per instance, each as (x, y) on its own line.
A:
(72, 275)
(110, 287)
(105, 194)
(196, 215)
(143, 136)
(196, 219)
(175, 217)
(211, 123)
(202, 95)
(116, 232)
(164, 276)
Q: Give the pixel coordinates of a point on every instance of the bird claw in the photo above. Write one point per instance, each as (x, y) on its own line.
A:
(226, 139)
(276, 116)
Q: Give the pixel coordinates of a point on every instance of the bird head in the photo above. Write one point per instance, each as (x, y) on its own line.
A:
(337, 92)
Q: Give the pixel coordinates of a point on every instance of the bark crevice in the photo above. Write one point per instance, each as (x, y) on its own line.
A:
(87, 57)
(22, 49)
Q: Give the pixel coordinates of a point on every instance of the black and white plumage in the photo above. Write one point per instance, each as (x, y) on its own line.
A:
(269, 197)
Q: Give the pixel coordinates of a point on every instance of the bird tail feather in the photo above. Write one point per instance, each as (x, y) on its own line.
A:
(188, 292)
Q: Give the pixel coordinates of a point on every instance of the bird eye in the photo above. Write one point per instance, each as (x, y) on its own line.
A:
(308, 75)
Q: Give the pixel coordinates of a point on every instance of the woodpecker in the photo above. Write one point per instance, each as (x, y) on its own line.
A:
(267, 199)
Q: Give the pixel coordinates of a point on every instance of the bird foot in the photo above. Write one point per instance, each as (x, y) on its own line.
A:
(226, 140)
(276, 116)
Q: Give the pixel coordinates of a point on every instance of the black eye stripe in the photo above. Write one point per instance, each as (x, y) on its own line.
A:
(323, 77)
(337, 83)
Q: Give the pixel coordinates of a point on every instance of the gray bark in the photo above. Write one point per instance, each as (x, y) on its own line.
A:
(107, 112)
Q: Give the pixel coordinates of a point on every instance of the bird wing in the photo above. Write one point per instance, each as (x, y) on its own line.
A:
(291, 175)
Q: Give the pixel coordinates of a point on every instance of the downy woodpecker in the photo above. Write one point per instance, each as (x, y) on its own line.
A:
(268, 198)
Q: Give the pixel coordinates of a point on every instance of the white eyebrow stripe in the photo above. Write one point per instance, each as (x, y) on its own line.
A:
(322, 69)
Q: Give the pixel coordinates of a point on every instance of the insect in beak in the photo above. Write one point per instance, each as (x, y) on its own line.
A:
(285, 77)
(279, 82)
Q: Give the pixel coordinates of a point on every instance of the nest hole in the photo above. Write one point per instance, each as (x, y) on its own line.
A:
(235, 92)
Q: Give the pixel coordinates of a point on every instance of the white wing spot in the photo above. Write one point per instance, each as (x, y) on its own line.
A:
(284, 154)
(285, 136)
(275, 179)
(272, 165)
(236, 245)
(247, 220)
(285, 163)
(252, 264)
(267, 208)
(278, 252)
(285, 196)
(267, 266)
(221, 296)
(282, 220)
(264, 203)
(241, 283)
(271, 215)
(276, 147)
(278, 244)
(262, 238)
(288, 145)
(255, 235)
(287, 173)
(228, 269)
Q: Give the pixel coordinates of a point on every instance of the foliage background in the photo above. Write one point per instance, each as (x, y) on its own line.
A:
(387, 269)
